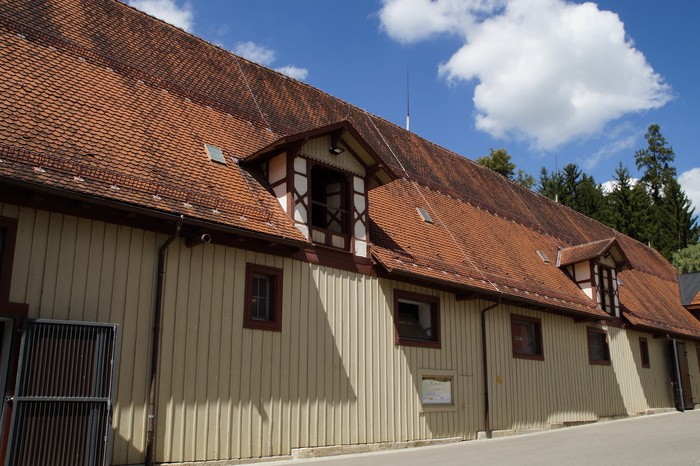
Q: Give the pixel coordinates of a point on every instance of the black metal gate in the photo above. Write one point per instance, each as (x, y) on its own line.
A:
(61, 409)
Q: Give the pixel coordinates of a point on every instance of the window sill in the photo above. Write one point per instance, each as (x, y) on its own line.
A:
(533, 357)
(418, 343)
(599, 363)
(437, 409)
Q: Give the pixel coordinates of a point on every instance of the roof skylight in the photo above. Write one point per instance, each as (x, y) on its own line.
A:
(543, 256)
(215, 154)
(424, 215)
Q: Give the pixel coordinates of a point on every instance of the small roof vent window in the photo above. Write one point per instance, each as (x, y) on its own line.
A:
(424, 215)
(215, 154)
(543, 256)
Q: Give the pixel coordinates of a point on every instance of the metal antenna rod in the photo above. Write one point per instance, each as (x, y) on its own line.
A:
(408, 102)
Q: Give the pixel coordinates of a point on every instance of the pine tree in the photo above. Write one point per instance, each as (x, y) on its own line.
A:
(656, 161)
(671, 222)
(676, 220)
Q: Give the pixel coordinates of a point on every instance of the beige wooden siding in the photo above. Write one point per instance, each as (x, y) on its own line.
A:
(694, 367)
(565, 387)
(74, 269)
(331, 376)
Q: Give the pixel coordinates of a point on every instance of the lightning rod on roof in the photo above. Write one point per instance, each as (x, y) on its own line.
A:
(408, 102)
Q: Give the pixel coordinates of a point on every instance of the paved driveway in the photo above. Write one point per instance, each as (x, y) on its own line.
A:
(660, 439)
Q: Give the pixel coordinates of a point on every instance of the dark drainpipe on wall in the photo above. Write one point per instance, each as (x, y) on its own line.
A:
(677, 371)
(155, 349)
(487, 421)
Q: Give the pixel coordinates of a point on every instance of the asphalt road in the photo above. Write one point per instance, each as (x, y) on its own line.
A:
(660, 439)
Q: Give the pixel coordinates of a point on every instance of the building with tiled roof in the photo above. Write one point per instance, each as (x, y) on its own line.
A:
(210, 261)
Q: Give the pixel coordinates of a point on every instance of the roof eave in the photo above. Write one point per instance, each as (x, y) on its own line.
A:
(480, 293)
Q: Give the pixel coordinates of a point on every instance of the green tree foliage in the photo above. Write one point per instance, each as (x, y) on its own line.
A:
(525, 179)
(573, 188)
(671, 218)
(654, 210)
(687, 260)
(629, 206)
(676, 221)
(656, 161)
(499, 161)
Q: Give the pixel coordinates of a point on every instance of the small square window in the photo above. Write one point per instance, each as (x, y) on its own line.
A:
(527, 337)
(644, 352)
(263, 298)
(598, 351)
(416, 319)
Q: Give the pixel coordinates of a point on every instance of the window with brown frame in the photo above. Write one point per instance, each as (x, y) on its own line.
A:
(8, 236)
(416, 319)
(263, 298)
(598, 350)
(526, 334)
(644, 352)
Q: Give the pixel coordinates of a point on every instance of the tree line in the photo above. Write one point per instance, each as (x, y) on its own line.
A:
(653, 210)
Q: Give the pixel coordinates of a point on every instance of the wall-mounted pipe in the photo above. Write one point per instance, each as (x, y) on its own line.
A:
(155, 356)
(485, 367)
(677, 372)
(204, 238)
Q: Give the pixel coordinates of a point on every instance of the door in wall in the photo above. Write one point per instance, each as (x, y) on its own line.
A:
(62, 403)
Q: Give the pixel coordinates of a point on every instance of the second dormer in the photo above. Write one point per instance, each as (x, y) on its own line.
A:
(321, 178)
(594, 267)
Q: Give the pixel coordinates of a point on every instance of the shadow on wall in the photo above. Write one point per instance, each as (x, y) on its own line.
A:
(645, 387)
(230, 392)
(451, 369)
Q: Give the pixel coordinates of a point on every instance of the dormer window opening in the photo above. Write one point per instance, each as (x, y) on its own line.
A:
(329, 207)
(607, 289)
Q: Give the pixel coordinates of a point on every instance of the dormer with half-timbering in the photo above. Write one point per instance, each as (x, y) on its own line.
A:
(321, 178)
(594, 267)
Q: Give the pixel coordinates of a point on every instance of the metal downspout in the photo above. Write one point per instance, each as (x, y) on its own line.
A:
(155, 349)
(487, 422)
(679, 383)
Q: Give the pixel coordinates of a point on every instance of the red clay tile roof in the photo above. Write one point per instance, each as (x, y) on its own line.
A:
(94, 90)
(590, 251)
(696, 300)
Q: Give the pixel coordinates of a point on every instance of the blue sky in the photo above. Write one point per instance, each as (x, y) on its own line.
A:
(553, 82)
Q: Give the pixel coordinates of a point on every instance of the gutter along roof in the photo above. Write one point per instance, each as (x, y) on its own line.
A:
(101, 96)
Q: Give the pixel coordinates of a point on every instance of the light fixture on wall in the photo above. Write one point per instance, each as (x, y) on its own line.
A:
(336, 150)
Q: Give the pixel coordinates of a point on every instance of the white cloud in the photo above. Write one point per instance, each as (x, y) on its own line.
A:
(690, 182)
(548, 71)
(609, 186)
(169, 11)
(255, 52)
(414, 20)
(294, 72)
(621, 137)
(266, 57)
